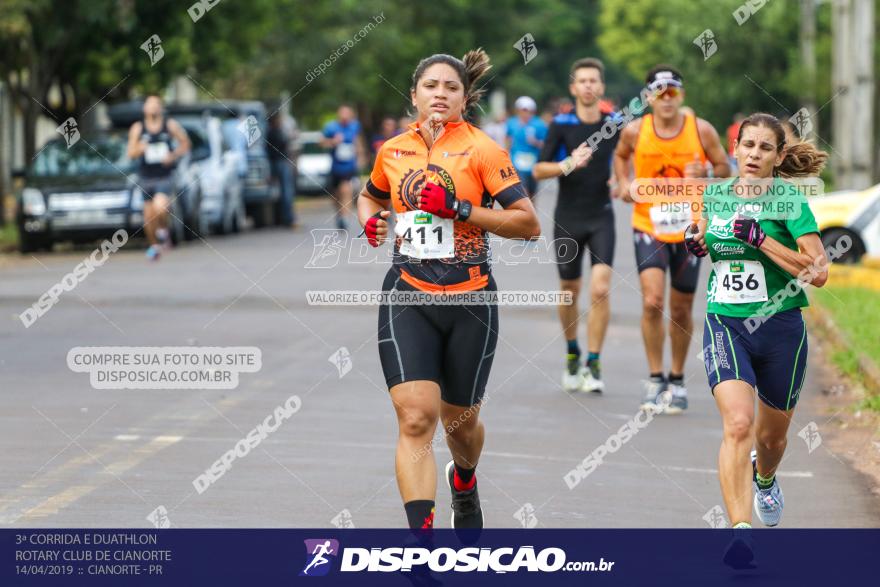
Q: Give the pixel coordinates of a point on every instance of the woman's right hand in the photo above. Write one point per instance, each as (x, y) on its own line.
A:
(695, 240)
(376, 228)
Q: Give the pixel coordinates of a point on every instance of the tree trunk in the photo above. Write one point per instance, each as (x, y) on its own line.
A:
(31, 111)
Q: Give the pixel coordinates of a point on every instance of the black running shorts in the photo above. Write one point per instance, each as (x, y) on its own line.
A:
(684, 268)
(573, 239)
(452, 345)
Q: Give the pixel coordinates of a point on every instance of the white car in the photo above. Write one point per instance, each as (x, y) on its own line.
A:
(852, 213)
(313, 164)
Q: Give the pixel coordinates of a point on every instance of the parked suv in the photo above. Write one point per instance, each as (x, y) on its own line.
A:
(82, 193)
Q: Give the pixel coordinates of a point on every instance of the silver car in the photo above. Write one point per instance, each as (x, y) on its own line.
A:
(219, 169)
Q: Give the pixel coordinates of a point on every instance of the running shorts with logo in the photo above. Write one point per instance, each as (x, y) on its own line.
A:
(754, 330)
(449, 344)
(583, 215)
(773, 359)
(658, 230)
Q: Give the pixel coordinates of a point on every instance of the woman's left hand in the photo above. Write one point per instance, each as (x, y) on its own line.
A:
(436, 200)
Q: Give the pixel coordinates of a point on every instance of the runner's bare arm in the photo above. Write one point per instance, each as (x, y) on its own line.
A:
(135, 146)
(518, 220)
(179, 134)
(578, 159)
(810, 256)
(622, 156)
(368, 206)
(361, 148)
(714, 151)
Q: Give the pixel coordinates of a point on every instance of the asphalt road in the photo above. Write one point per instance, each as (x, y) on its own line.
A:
(71, 455)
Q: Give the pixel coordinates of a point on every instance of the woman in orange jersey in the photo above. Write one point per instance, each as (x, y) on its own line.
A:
(441, 177)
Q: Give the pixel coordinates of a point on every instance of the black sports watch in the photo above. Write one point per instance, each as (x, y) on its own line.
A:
(464, 210)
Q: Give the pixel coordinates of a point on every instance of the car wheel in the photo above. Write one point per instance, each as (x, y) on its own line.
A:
(30, 244)
(263, 214)
(227, 225)
(193, 228)
(830, 238)
(176, 227)
(238, 219)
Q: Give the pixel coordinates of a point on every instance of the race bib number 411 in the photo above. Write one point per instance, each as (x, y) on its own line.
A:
(425, 236)
(740, 282)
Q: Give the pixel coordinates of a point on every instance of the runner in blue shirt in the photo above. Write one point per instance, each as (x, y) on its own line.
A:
(343, 136)
(525, 137)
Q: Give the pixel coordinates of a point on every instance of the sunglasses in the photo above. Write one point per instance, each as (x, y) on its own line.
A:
(670, 93)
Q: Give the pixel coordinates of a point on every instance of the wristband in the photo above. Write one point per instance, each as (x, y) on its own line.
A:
(464, 210)
(567, 165)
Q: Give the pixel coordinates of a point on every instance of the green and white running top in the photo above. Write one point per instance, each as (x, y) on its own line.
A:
(744, 281)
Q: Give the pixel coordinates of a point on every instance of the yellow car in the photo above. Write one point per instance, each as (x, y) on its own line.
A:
(853, 213)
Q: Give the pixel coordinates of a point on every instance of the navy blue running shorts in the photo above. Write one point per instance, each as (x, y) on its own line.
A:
(772, 359)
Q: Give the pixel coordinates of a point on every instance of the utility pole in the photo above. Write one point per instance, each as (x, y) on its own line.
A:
(808, 58)
(3, 165)
(863, 93)
(853, 91)
(841, 103)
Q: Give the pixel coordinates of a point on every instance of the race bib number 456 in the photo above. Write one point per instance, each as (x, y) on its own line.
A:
(740, 282)
(425, 236)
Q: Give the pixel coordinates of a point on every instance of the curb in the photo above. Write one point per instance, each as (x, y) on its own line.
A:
(821, 318)
(866, 275)
(871, 262)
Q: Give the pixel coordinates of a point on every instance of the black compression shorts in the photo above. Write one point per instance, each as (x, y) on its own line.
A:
(572, 240)
(450, 345)
(684, 268)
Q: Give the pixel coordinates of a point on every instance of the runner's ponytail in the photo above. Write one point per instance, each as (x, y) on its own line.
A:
(476, 64)
(802, 159)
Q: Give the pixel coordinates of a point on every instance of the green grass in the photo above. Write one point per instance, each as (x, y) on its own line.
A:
(856, 311)
(8, 237)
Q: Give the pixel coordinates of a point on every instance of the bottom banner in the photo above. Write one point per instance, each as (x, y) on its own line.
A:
(122, 557)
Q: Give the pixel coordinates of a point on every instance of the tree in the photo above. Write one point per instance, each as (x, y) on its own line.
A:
(375, 72)
(82, 51)
(756, 65)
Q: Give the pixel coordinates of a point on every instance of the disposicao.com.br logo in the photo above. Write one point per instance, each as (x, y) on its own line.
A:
(443, 559)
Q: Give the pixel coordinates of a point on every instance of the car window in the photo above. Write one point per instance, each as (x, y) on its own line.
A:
(200, 147)
(233, 136)
(92, 156)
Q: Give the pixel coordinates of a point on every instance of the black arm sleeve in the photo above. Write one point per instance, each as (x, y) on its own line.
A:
(511, 194)
(376, 192)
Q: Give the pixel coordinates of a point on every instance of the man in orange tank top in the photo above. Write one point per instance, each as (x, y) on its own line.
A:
(670, 142)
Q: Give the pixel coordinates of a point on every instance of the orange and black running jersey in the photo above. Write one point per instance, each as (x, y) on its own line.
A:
(657, 157)
(469, 165)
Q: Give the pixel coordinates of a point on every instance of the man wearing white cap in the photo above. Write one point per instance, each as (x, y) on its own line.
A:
(525, 137)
